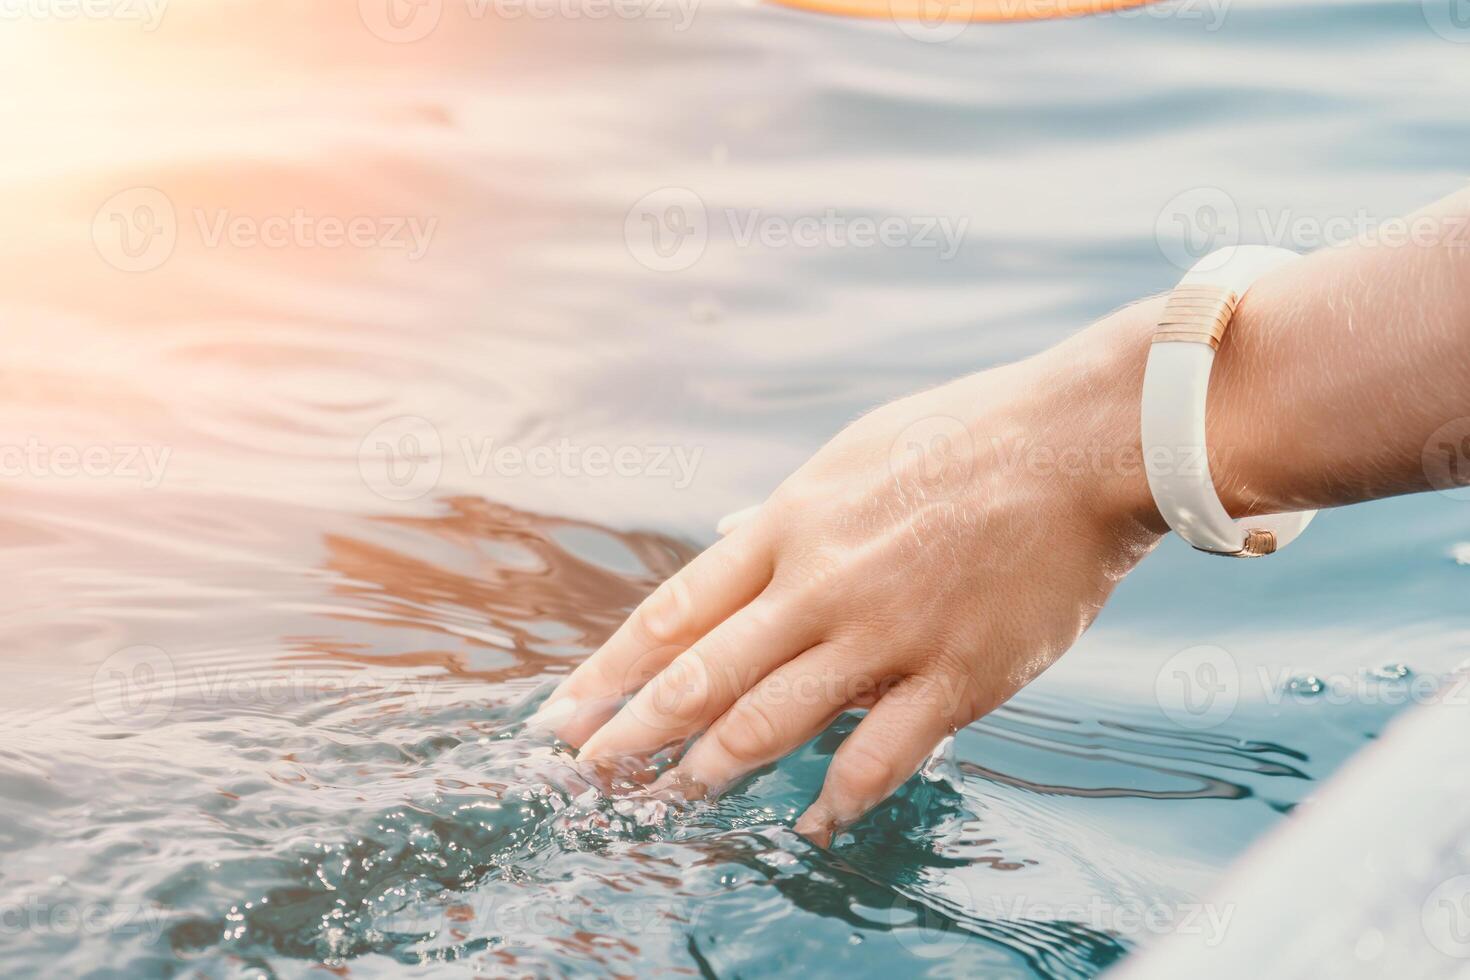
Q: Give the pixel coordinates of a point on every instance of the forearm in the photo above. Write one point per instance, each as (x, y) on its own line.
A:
(1332, 378)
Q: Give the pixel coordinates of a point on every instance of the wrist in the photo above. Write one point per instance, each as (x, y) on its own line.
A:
(1094, 382)
(1107, 361)
(1090, 391)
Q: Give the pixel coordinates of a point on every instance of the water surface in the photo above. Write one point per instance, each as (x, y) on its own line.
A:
(273, 626)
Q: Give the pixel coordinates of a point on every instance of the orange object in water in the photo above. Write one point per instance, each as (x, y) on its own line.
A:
(939, 13)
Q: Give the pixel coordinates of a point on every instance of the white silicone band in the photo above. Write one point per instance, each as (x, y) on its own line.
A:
(1175, 383)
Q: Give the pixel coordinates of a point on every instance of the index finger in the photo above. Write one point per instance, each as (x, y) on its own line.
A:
(719, 581)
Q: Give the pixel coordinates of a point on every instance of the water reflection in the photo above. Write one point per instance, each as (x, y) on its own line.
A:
(348, 782)
(275, 613)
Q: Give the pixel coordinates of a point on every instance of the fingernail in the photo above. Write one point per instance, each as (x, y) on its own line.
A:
(588, 751)
(734, 519)
(552, 715)
(817, 825)
(678, 781)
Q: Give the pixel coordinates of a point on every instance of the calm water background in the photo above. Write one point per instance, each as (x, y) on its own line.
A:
(267, 655)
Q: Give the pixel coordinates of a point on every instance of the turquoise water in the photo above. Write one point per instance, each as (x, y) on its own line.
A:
(269, 656)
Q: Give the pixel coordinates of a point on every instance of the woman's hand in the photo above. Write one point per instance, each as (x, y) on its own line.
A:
(945, 549)
(928, 562)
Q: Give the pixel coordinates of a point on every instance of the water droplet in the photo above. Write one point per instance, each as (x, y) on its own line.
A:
(1391, 672)
(1306, 685)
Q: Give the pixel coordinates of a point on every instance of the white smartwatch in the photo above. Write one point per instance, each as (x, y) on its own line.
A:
(1175, 383)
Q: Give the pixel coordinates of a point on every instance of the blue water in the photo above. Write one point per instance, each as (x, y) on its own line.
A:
(264, 700)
